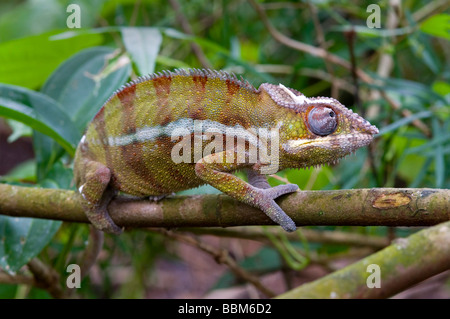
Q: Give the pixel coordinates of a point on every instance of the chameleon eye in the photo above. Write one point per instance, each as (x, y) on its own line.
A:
(322, 120)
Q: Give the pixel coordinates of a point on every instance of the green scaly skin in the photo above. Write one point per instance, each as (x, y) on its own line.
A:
(128, 146)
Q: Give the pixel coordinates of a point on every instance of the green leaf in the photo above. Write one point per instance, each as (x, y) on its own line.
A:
(143, 45)
(172, 63)
(409, 89)
(442, 88)
(18, 130)
(108, 80)
(21, 239)
(364, 31)
(203, 42)
(437, 25)
(421, 47)
(438, 155)
(40, 112)
(29, 61)
(46, 153)
(81, 86)
(23, 171)
(404, 121)
(20, 19)
(308, 179)
(59, 176)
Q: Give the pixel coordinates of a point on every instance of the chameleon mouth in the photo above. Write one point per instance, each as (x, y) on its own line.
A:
(346, 144)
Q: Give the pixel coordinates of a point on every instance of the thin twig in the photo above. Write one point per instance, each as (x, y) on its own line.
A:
(341, 84)
(385, 62)
(282, 5)
(135, 12)
(351, 35)
(92, 250)
(324, 237)
(281, 179)
(45, 277)
(322, 44)
(188, 30)
(221, 256)
(310, 49)
(6, 278)
(430, 8)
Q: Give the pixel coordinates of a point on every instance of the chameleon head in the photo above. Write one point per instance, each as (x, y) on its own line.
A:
(326, 129)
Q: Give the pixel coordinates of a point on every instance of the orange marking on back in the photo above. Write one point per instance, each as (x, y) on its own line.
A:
(162, 87)
(232, 88)
(200, 82)
(127, 98)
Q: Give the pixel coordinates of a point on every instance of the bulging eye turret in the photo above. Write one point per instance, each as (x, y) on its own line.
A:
(322, 120)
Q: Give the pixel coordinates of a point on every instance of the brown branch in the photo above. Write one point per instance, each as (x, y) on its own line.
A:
(430, 8)
(222, 257)
(45, 277)
(92, 251)
(6, 278)
(403, 264)
(358, 207)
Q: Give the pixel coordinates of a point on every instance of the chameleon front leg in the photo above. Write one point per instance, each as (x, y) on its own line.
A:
(96, 196)
(257, 180)
(213, 169)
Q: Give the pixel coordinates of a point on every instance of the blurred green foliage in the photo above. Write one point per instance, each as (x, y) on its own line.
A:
(54, 79)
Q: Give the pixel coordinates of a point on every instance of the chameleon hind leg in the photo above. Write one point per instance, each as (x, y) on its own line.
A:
(213, 169)
(96, 196)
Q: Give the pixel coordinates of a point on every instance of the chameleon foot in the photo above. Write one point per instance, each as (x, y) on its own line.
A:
(264, 200)
(101, 220)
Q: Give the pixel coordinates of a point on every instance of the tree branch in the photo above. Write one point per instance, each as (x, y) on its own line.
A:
(45, 277)
(357, 207)
(403, 264)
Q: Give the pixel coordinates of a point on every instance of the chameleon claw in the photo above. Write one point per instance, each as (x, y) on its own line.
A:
(279, 190)
(275, 213)
(264, 200)
(101, 220)
(104, 223)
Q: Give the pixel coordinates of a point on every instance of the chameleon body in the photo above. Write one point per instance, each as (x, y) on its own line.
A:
(129, 145)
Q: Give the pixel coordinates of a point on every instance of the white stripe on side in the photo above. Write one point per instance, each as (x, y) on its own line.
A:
(150, 133)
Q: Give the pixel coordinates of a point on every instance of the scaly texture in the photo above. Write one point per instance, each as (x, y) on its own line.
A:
(177, 130)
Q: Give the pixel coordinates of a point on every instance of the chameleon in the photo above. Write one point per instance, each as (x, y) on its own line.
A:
(130, 146)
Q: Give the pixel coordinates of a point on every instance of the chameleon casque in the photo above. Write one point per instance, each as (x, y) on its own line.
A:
(128, 146)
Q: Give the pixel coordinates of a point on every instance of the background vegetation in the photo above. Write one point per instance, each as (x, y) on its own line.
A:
(54, 79)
